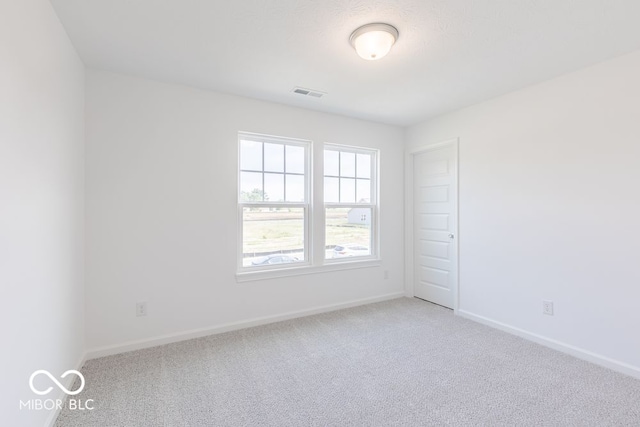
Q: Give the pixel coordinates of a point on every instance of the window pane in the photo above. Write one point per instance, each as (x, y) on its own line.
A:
(251, 187)
(295, 159)
(347, 190)
(364, 165)
(295, 188)
(348, 232)
(274, 157)
(331, 190)
(363, 191)
(274, 187)
(347, 164)
(331, 163)
(251, 155)
(272, 236)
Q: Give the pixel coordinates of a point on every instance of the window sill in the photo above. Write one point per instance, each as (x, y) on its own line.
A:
(248, 276)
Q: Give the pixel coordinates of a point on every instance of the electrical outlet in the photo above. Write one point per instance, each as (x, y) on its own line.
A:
(547, 307)
(141, 309)
(386, 274)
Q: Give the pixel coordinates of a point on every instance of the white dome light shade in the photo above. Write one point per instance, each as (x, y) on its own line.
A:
(373, 41)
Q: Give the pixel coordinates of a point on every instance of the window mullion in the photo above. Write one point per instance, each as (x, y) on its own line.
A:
(284, 168)
(263, 192)
(355, 177)
(339, 175)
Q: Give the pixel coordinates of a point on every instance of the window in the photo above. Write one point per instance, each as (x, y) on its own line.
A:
(273, 202)
(350, 202)
(275, 213)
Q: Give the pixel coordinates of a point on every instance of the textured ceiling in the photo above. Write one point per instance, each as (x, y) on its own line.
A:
(450, 53)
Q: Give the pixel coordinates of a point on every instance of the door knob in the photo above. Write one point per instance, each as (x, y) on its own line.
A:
(451, 235)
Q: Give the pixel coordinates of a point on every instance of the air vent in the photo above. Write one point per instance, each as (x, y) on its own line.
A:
(308, 92)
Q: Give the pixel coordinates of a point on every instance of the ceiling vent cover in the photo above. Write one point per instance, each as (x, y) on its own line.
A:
(308, 92)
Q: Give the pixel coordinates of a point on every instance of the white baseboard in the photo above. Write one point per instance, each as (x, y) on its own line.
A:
(95, 353)
(580, 353)
(53, 416)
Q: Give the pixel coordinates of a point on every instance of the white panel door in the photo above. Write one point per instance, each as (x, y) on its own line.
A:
(435, 223)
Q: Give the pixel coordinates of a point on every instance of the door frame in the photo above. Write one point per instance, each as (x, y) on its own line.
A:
(409, 205)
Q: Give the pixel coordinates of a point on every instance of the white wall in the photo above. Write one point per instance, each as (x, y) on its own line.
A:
(41, 203)
(161, 209)
(550, 207)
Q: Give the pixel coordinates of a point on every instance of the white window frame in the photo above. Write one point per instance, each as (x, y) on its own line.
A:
(314, 223)
(305, 205)
(373, 203)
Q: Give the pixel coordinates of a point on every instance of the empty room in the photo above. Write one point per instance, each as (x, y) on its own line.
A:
(320, 213)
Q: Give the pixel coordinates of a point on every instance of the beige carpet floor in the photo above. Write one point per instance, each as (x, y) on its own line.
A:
(397, 363)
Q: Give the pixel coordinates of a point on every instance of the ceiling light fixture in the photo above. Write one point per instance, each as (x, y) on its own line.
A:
(373, 41)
